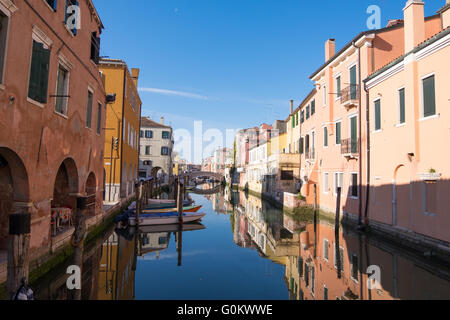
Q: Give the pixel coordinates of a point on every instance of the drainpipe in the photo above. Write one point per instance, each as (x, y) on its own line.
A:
(366, 209)
(360, 134)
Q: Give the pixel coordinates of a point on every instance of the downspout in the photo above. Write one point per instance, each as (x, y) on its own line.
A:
(360, 134)
(121, 133)
(366, 209)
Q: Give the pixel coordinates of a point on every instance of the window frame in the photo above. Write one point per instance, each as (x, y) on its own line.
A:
(7, 12)
(352, 174)
(99, 118)
(335, 183)
(422, 92)
(340, 132)
(375, 129)
(90, 90)
(327, 185)
(66, 89)
(399, 122)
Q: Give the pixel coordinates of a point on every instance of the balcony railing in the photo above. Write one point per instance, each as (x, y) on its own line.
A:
(350, 147)
(310, 154)
(350, 96)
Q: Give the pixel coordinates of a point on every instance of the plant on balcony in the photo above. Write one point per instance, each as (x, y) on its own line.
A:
(300, 197)
(432, 170)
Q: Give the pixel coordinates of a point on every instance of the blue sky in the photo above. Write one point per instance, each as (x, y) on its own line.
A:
(230, 63)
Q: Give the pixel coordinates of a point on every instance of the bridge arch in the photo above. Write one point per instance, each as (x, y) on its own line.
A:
(198, 174)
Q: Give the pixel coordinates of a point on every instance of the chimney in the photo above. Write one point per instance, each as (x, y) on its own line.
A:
(162, 120)
(135, 75)
(414, 24)
(445, 15)
(330, 47)
(292, 106)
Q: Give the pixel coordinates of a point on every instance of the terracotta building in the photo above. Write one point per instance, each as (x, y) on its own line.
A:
(52, 115)
(122, 130)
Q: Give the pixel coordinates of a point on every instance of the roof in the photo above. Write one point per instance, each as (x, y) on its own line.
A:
(303, 103)
(97, 17)
(424, 44)
(362, 34)
(146, 122)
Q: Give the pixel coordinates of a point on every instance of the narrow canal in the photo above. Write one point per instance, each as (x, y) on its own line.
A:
(246, 249)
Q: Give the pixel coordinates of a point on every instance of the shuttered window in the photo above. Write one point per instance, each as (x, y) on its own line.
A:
(377, 115)
(313, 107)
(40, 62)
(99, 118)
(302, 143)
(325, 136)
(166, 135)
(338, 86)
(62, 91)
(429, 97)
(307, 112)
(402, 113)
(89, 109)
(95, 47)
(302, 117)
(338, 133)
(3, 34)
(164, 151)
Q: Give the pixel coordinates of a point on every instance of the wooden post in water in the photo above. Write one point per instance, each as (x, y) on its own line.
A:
(315, 220)
(77, 240)
(180, 244)
(337, 232)
(180, 201)
(18, 251)
(138, 203)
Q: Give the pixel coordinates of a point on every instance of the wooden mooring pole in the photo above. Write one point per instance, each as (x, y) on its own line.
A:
(18, 251)
(315, 221)
(180, 201)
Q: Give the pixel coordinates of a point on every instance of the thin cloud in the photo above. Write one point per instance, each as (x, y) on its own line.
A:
(174, 93)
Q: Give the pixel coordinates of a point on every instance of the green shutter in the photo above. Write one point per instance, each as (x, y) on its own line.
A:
(429, 97)
(353, 82)
(38, 85)
(338, 86)
(307, 112)
(338, 133)
(293, 121)
(354, 135)
(377, 115)
(402, 106)
(313, 107)
(325, 137)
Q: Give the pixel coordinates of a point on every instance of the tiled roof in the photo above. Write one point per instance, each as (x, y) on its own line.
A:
(302, 104)
(146, 122)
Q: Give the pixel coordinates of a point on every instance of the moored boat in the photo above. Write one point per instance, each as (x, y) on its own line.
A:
(185, 209)
(164, 218)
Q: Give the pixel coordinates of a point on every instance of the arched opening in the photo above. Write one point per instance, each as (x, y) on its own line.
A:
(65, 192)
(14, 188)
(91, 193)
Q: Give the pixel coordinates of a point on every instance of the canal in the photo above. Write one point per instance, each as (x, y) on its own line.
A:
(246, 249)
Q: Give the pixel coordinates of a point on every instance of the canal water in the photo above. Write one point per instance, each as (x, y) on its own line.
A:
(246, 249)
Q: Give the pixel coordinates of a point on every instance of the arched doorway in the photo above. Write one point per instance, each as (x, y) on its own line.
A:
(91, 193)
(14, 188)
(65, 192)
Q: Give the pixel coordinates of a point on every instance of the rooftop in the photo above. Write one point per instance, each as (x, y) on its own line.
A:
(146, 122)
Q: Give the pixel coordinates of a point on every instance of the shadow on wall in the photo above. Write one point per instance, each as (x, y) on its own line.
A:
(420, 206)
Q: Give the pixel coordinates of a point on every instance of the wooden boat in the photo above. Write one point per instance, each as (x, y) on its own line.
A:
(171, 205)
(185, 209)
(164, 218)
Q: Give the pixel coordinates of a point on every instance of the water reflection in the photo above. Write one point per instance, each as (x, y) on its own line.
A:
(266, 254)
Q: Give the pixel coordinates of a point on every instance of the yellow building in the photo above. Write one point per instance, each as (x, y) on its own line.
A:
(122, 130)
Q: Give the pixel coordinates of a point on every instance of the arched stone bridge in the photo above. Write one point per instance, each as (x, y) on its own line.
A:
(198, 174)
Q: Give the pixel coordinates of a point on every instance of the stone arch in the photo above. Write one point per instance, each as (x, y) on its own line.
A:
(91, 193)
(65, 188)
(14, 187)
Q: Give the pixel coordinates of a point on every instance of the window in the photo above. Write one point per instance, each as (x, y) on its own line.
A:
(353, 83)
(338, 182)
(306, 275)
(148, 134)
(402, 112)
(307, 112)
(293, 121)
(95, 48)
(38, 84)
(70, 19)
(141, 134)
(354, 185)
(338, 133)
(325, 293)
(164, 151)
(325, 249)
(338, 86)
(99, 118)
(430, 197)
(4, 21)
(287, 175)
(89, 110)
(302, 146)
(62, 89)
(147, 150)
(52, 3)
(326, 182)
(300, 267)
(166, 135)
(296, 118)
(313, 276)
(378, 115)
(429, 97)
(313, 107)
(325, 136)
(302, 117)
(354, 267)
(148, 163)
(324, 95)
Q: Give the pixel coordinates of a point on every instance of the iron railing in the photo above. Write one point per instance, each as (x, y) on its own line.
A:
(350, 93)
(350, 146)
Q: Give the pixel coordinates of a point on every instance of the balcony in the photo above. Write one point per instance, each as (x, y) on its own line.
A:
(350, 148)
(350, 96)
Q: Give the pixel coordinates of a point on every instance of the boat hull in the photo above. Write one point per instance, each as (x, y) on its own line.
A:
(165, 220)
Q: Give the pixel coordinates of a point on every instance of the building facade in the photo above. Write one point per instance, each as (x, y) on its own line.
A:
(122, 130)
(52, 115)
(156, 140)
